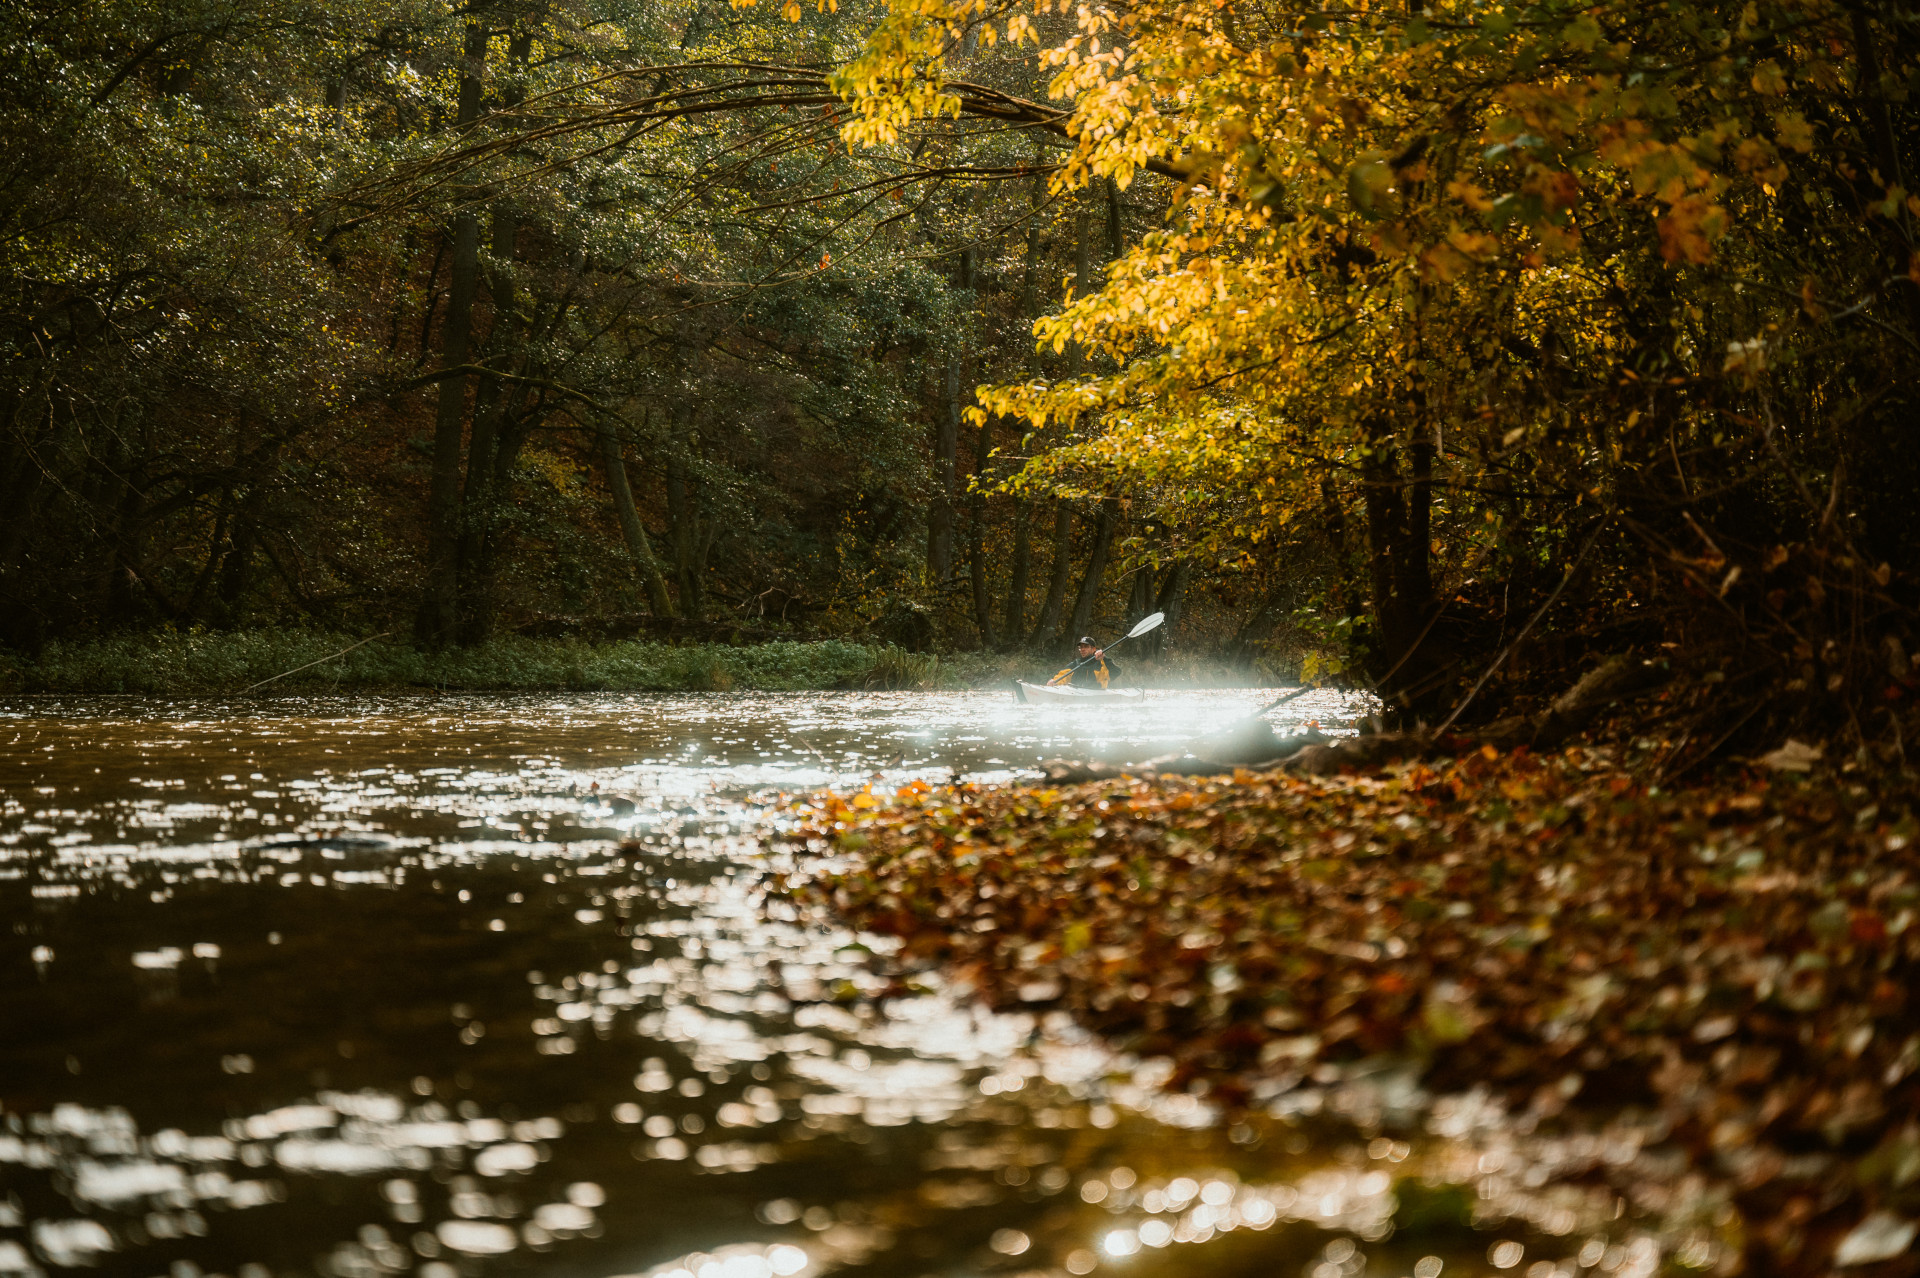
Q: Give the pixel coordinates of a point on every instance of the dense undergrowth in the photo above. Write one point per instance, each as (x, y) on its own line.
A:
(185, 663)
(177, 663)
(1741, 960)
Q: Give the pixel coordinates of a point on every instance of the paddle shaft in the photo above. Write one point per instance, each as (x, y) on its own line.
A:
(1115, 644)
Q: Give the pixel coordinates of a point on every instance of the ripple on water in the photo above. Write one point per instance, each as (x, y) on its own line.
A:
(375, 986)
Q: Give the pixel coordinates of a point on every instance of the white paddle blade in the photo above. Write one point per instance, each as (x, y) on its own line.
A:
(1146, 624)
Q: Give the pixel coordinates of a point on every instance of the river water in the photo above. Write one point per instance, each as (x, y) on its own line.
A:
(456, 986)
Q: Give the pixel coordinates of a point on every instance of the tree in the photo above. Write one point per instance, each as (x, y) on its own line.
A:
(317, 317)
(1522, 279)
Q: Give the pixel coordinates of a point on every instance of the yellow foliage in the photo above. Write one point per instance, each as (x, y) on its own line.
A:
(1373, 233)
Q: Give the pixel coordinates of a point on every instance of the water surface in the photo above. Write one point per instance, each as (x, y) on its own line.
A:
(448, 986)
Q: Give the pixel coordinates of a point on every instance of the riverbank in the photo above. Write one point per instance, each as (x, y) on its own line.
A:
(1738, 961)
(172, 664)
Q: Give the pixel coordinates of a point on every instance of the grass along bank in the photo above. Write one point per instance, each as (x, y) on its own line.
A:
(167, 664)
(1700, 1007)
(171, 663)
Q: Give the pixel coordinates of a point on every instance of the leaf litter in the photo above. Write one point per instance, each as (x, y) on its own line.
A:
(1719, 980)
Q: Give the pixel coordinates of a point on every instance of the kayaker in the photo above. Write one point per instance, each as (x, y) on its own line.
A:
(1093, 670)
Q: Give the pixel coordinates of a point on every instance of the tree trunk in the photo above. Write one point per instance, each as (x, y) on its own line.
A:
(1399, 554)
(117, 580)
(1085, 284)
(946, 445)
(478, 502)
(486, 517)
(1170, 600)
(216, 550)
(1334, 518)
(1096, 567)
(496, 437)
(434, 623)
(1015, 619)
(22, 475)
(493, 411)
(481, 603)
(1415, 567)
(1140, 599)
(1030, 277)
(236, 569)
(1082, 255)
(1139, 604)
(683, 517)
(431, 310)
(1886, 151)
(977, 537)
(1049, 622)
(631, 528)
(1173, 594)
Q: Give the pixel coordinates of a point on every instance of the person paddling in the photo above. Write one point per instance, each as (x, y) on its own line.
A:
(1094, 669)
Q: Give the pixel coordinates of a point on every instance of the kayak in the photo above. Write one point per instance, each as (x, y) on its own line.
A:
(1052, 693)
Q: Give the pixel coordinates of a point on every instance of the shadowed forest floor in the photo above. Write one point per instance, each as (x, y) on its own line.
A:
(1727, 969)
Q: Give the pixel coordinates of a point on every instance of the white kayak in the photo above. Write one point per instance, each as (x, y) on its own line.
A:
(1066, 693)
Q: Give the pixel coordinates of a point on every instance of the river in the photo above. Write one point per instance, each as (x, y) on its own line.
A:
(452, 986)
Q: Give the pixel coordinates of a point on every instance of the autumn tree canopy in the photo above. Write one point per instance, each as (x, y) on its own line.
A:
(1448, 349)
(1625, 291)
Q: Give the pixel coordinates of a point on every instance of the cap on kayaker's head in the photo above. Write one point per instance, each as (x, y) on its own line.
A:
(1087, 643)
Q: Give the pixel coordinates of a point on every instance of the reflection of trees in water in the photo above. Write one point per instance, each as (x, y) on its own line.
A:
(326, 1032)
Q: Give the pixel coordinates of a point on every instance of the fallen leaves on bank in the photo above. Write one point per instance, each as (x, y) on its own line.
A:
(1742, 960)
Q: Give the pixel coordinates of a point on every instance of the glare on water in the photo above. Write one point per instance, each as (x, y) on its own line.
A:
(450, 986)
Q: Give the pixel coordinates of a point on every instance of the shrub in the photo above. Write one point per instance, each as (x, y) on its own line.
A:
(277, 660)
(270, 661)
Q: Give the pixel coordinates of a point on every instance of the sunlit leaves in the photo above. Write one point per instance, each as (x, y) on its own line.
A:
(1506, 921)
(1383, 211)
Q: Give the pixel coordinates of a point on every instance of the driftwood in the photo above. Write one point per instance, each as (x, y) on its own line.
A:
(1254, 744)
(1612, 681)
(1254, 741)
(1359, 754)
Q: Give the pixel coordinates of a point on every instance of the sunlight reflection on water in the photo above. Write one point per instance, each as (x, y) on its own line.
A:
(374, 986)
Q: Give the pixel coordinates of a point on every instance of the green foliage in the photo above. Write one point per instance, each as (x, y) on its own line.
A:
(337, 313)
(898, 668)
(1541, 288)
(226, 262)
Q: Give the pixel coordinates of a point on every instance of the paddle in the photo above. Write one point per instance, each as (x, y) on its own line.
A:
(1145, 624)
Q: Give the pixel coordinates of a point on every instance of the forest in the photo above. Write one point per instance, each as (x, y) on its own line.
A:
(1452, 353)
(1530, 385)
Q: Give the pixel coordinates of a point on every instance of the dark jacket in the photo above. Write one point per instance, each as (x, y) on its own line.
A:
(1098, 673)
